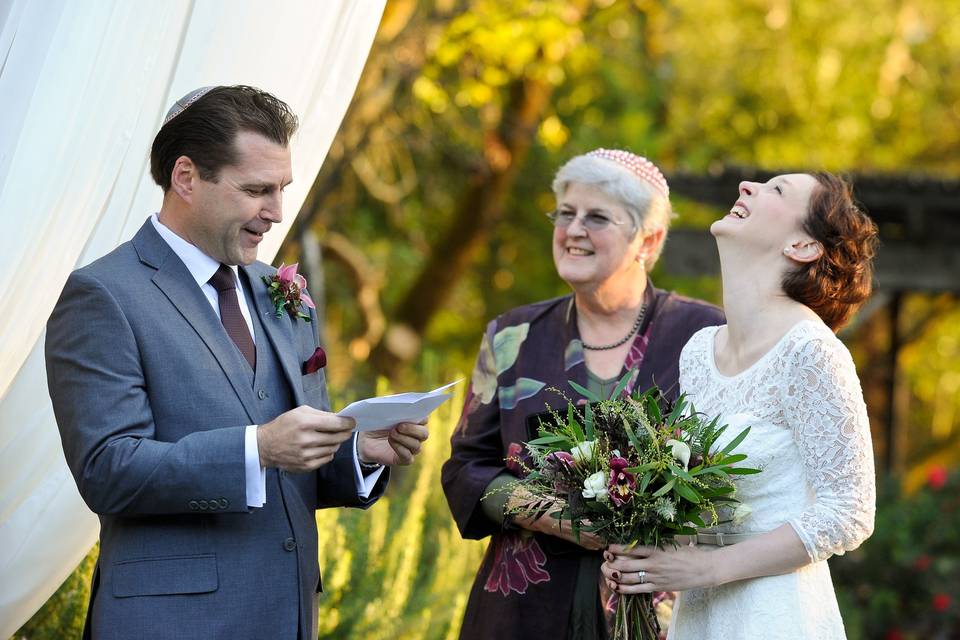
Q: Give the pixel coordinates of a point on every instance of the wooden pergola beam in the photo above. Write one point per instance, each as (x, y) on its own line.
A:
(918, 218)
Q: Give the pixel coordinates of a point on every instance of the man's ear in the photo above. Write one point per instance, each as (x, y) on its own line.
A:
(803, 250)
(183, 178)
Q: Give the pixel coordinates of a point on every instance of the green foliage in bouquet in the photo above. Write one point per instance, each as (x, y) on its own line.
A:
(635, 469)
(631, 469)
(904, 582)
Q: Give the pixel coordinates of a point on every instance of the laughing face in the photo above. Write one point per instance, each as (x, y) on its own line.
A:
(591, 257)
(768, 215)
(230, 216)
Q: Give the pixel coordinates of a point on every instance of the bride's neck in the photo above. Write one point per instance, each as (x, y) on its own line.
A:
(758, 311)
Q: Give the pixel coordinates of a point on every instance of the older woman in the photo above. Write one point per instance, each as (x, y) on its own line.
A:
(796, 255)
(611, 220)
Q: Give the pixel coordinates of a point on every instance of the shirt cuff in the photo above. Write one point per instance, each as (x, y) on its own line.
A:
(364, 483)
(255, 474)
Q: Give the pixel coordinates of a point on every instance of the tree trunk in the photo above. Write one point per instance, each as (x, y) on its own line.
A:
(479, 209)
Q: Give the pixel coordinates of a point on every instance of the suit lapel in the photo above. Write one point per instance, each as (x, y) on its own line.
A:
(174, 280)
(280, 331)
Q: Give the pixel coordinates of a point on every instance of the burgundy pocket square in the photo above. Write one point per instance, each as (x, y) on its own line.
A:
(315, 362)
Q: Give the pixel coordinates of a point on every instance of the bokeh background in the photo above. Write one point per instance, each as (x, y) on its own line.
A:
(426, 220)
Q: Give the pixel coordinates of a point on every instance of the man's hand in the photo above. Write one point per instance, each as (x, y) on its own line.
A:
(397, 445)
(302, 439)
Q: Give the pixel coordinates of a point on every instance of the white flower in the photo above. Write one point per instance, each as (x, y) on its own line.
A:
(680, 451)
(583, 452)
(595, 486)
(741, 513)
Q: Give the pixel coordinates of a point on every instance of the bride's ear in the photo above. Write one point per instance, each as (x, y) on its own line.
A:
(803, 250)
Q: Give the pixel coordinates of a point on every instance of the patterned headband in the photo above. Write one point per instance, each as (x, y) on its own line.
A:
(181, 105)
(637, 165)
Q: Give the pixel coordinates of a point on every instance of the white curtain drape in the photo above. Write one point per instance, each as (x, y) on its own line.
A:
(83, 89)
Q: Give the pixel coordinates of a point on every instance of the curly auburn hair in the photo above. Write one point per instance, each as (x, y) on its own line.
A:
(840, 280)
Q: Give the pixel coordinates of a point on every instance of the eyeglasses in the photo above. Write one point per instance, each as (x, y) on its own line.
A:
(563, 218)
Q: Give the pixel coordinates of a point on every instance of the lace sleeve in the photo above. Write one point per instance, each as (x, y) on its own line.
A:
(825, 409)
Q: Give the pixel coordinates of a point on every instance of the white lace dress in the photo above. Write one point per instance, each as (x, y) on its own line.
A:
(811, 437)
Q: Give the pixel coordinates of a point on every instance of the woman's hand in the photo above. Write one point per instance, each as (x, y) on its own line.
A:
(562, 529)
(639, 569)
(549, 525)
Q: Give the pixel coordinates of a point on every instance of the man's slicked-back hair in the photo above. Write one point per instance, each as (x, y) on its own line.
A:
(206, 131)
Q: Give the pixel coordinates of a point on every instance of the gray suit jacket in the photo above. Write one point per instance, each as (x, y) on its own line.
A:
(151, 398)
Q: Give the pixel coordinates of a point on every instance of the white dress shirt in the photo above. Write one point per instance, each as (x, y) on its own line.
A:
(202, 267)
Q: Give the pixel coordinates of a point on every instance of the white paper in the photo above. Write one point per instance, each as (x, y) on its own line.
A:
(386, 411)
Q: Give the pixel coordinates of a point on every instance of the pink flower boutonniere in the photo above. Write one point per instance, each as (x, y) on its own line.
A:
(287, 290)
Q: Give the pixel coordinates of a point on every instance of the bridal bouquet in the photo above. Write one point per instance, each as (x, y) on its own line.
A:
(634, 469)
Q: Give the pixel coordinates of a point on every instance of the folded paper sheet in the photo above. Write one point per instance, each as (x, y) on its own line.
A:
(386, 411)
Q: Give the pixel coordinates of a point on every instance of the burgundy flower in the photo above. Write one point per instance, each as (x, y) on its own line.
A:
(559, 461)
(559, 466)
(922, 563)
(622, 483)
(517, 563)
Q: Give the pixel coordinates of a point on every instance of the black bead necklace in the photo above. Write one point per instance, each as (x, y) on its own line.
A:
(633, 330)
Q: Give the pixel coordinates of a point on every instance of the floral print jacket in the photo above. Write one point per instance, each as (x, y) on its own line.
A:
(525, 586)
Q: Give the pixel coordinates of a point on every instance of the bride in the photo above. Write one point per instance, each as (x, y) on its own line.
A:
(796, 256)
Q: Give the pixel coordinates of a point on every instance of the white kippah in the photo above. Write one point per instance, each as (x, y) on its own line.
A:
(638, 165)
(180, 105)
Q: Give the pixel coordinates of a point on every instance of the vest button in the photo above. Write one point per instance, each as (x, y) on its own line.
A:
(262, 394)
(289, 544)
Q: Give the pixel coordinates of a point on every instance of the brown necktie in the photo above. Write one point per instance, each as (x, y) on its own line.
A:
(225, 284)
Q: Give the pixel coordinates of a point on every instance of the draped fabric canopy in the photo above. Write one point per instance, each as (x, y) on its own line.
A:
(83, 89)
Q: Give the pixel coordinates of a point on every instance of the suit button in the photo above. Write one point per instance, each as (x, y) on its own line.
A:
(224, 503)
(203, 505)
(262, 394)
(193, 505)
(289, 544)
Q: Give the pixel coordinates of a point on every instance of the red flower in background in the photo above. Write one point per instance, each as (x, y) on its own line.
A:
(941, 602)
(922, 563)
(517, 563)
(937, 477)
(893, 634)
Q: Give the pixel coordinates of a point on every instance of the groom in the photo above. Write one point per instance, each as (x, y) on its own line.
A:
(194, 418)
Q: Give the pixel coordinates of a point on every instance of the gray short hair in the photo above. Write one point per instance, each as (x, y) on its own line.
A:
(648, 208)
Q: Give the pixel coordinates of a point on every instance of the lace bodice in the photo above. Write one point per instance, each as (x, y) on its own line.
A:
(809, 433)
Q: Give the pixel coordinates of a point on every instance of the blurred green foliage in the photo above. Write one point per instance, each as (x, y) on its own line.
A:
(904, 582)
(62, 615)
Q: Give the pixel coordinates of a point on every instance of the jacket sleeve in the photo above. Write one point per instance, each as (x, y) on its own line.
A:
(97, 385)
(477, 455)
(336, 481)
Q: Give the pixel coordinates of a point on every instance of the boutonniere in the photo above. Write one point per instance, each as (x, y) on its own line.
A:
(287, 290)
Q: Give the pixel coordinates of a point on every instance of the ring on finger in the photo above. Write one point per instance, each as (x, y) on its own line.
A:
(642, 575)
